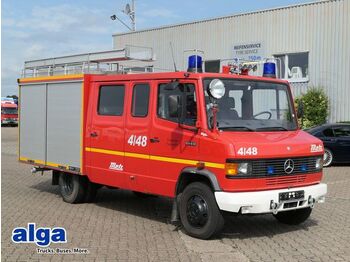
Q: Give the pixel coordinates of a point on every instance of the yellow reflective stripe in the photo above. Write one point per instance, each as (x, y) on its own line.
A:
(41, 162)
(36, 161)
(104, 151)
(82, 125)
(135, 155)
(56, 165)
(173, 160)
(152, 157)
(215, 165)
(50, 78)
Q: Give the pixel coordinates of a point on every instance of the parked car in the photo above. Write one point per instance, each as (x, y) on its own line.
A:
(336, 140)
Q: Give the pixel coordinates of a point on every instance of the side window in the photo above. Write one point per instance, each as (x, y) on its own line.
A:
(181, 102)
(328, 132)
(140, 100)
(342, 132)
(111, 100)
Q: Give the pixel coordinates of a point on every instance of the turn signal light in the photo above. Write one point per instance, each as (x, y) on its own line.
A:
(231, 169)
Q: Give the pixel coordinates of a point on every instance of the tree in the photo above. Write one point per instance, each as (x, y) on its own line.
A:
(316, 104)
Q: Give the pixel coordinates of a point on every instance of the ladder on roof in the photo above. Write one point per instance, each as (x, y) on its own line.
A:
(97, 62)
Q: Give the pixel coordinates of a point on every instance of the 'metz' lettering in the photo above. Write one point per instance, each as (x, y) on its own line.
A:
(316, 148)
(42, 236)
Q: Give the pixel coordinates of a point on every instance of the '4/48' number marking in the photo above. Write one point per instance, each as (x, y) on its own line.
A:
(135, 140)
(250, 151)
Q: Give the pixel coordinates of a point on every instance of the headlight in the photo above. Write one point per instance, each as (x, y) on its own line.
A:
(216, 88)
(237, 169)
(243, 168)
(319, 163)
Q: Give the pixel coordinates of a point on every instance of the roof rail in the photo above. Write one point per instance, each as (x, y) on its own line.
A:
(97, 62)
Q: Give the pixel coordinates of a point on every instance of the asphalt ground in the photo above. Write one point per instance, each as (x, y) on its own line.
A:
(120, 226)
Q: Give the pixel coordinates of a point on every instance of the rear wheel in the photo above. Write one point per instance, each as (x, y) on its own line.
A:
(199, 213)
(294, 217)
(72, 188)
(327, 157)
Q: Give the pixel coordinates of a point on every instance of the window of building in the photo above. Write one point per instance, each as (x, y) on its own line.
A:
(294, 66)
(180, 102)
(140, 100)
(111, 100)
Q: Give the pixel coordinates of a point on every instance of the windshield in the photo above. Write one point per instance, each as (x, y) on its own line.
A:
(9, 111)
(7, 99)
(252, 106)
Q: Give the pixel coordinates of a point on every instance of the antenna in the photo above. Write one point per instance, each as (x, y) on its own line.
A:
(172, 54)
(129, 11)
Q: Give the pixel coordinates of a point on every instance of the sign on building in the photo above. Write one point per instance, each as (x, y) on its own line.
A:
(249, 51)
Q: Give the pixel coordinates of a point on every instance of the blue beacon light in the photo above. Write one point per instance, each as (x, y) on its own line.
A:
(269, 70)
(195, 64)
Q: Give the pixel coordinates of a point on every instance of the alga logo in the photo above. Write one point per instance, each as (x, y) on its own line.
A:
(42, 236)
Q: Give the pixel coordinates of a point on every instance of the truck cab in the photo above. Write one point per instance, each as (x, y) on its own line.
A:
(9, 112)
(176, 134)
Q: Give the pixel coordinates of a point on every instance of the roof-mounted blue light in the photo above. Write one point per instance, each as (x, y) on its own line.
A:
(269, 69)
(195, 64)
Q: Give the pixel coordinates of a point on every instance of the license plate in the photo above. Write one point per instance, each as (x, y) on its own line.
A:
(293, 195)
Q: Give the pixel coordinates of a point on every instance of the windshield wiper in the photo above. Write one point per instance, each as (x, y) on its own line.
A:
(234, 128)
(272, 128)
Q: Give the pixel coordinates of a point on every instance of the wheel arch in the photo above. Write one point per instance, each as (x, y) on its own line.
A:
(191, 174)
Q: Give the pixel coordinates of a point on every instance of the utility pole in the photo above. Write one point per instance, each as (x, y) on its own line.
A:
(129, 11)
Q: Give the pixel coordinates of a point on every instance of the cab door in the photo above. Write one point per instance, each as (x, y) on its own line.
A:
(105, 134)
(137, 132)
(173, 146)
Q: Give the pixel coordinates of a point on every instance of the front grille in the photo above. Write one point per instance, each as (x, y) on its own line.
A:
(275, 167)
(285, 180)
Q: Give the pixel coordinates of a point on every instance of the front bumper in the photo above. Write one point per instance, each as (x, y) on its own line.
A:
(268, 201)
(9, 121)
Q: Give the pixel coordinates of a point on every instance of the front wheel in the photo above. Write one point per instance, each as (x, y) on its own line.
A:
(199, 213)
(294, 217)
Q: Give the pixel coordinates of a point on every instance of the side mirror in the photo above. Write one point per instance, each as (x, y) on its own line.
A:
(300, 110)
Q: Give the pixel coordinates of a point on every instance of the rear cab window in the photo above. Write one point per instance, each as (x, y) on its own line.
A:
(111, 100)
(140, 100)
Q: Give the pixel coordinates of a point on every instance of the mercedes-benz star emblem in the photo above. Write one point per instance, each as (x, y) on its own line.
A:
(288, 166)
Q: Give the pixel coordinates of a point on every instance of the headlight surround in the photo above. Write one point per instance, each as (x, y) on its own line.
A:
(238, 169)
(319, 163)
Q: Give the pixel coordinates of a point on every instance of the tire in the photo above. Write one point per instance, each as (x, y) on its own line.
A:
(327, 157)
(199, 213)
(72, 188)
(294, 217)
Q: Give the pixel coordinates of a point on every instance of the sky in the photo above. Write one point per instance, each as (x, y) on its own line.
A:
(47, 28)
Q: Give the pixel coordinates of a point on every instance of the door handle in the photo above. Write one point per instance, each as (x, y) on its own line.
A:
(93, 134)
(154, 140)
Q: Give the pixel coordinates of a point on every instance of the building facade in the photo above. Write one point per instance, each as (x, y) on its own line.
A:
(311, 43)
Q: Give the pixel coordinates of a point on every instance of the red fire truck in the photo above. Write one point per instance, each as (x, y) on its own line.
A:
(212, 142)
(9, 114)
